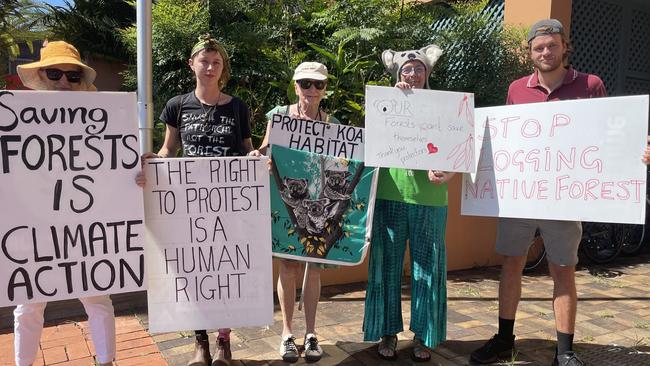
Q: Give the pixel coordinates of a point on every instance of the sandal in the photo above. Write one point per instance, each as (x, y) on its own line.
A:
(420, 349)
(387, 343)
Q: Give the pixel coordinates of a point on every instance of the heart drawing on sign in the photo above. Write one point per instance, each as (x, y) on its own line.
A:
(432, 148)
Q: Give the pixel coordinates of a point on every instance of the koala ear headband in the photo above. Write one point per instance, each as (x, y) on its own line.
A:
(428, 55)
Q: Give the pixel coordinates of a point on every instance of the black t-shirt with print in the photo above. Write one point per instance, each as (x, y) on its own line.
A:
(208, 130)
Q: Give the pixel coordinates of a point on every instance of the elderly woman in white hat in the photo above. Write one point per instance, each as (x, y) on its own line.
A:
(310, 83)
(61, 69)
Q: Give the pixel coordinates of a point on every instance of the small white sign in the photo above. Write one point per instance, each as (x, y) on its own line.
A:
(72, 216)
(208, 243)
(576, 160)
(420, 129)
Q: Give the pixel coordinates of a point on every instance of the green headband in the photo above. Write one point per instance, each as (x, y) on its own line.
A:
(207, 42)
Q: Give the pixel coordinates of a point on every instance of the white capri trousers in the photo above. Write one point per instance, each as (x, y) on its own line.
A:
(28, 326)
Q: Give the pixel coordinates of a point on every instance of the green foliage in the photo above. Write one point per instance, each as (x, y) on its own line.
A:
(19, 21)
(480, 59)
(353, 34)
(267, 40)
(176, 27)
(93, 25)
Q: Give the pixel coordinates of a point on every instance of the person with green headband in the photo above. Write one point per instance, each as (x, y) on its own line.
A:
(206, 123)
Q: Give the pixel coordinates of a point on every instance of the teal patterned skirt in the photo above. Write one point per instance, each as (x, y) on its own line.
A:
(424, 226)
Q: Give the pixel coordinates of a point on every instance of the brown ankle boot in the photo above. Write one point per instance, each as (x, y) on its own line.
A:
(222, 356)
(201, 354)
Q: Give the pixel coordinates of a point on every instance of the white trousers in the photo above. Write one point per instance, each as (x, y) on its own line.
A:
(28, 326)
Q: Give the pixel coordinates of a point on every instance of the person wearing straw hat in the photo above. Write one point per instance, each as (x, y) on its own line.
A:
(60, 69)
(411, 205)
(58, 59)
(310, 85)
(206, 122)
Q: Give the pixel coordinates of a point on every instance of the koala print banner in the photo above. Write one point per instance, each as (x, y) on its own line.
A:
(420, 129)
(321, 205)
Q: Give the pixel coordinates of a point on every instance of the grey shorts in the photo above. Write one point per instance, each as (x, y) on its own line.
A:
(561, 238)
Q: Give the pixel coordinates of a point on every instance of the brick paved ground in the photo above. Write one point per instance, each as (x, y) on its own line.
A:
(613, 325)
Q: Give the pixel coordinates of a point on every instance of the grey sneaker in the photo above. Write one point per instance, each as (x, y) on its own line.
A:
(313, 352)
(288, 349)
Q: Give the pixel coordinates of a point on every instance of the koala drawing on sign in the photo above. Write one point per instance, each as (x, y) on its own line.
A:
(336, 184)
(293, 192)
(317, 214)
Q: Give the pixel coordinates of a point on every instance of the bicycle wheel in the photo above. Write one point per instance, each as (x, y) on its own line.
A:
(631, 237)
(536, 253)
(599, 242)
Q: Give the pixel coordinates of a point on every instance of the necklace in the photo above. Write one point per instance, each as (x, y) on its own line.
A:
(300, 113)
(208, 113)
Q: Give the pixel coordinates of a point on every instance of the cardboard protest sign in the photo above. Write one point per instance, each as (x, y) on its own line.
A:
(568, 160)
(208, 243)
(420, 129)
(73, 215)
(321, 203)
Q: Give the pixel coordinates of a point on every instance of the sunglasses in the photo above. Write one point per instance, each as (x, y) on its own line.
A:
(306, 84)
(56, 74)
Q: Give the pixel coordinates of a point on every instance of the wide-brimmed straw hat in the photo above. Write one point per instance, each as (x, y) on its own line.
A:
(54, 53)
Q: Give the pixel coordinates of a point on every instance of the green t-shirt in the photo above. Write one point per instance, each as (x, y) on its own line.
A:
(283, 109)
(410, 186)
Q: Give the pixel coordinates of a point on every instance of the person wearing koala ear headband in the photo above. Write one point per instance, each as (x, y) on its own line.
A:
(411, 204)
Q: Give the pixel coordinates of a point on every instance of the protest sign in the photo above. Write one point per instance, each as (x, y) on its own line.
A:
(317, 137)
(208, 243)
(73, 215)
(420, 129)
(322, 203)
(567, 160)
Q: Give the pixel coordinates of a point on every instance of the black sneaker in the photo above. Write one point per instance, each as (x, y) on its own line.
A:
(495, 349)
(568, 359)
